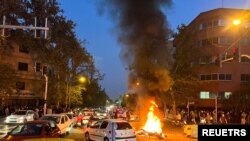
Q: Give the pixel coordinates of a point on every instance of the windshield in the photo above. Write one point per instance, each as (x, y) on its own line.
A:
(27, 129)
(53, 118)
(122, 125)
(70, 116)
(20, 113)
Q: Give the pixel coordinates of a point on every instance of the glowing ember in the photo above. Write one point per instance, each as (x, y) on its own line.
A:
(153, 123)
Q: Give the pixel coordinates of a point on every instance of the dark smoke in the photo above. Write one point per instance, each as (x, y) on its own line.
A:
(142, 29)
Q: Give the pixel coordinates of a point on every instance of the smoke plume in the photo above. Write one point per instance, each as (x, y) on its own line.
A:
(143, 32)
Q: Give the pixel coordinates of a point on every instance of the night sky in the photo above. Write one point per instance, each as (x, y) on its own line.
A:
(98, 30)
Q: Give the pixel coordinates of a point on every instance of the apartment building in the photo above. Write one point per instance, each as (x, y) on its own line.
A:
(223, 38)
(30, 84)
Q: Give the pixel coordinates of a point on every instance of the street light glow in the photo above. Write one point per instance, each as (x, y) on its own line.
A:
(137, 83)
(82, 79)
(236, 22)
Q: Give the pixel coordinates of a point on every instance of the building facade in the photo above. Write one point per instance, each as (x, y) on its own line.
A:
(29, 87)
(223, 38)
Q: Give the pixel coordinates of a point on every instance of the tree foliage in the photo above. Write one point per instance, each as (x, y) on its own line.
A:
(239, 100)
(93, 95)
(186, 84)
(62, 51)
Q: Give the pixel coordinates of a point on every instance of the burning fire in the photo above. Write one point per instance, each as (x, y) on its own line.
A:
(153, 123)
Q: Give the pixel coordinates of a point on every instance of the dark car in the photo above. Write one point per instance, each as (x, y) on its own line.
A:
(33, 129)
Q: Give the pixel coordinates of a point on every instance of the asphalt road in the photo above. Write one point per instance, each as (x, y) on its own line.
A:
(173, 133)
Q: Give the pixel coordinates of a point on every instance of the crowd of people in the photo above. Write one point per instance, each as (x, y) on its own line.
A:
(209, 117)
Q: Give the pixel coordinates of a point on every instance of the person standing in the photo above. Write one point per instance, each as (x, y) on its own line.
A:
(36, 114)
(128, 115)
(7, 112)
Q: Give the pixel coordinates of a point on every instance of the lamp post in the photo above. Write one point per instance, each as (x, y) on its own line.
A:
(236, 23)
(45, 94)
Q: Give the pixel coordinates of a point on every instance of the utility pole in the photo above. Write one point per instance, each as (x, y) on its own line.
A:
(45, 94)
(216, 107)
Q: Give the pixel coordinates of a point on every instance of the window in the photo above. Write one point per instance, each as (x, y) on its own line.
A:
(225, 40)
(227, 95)
(228, 76)
(215, 23)
(209, 24)
(23, 49)
(245, 41)
(203, 26)
(214, 76)
(104, 125)
(20, 85)
(208, 77)
(223, 22)
(122, 126)
(22, 66)
(245, 77)
(215, 40)
(66, 118)
(62, 120)
(202, 77)
(45, 70)
(204, 95)
(97, 124)
(38, 67)
(225, 77)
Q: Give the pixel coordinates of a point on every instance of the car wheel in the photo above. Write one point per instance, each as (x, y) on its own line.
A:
(106, 139)
(87, 137)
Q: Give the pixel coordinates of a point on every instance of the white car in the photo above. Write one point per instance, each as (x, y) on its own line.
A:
(100, 114)
(20, 116)
(72, 118)
(87, 116)
(62, 121)
(110, 130)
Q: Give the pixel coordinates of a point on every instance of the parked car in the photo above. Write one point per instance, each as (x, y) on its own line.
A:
(20, 116)
(100, 114)
(72, 118)
(110, 129)
(87, 116)
(62, 121)
(33, 129)
(79, 119)
(50, 139)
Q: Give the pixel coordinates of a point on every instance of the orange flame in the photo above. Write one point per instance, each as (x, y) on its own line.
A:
(153, 123)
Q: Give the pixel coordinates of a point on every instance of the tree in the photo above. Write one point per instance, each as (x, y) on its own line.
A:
(64, 54)
(129, 101)
(239, 100)
(94, 95)
(186, 84)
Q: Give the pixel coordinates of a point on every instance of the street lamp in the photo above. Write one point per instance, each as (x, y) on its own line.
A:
(83, 79)
(236, 23)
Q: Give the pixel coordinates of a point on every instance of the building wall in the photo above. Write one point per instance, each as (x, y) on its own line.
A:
(30, 84)
(218, 40)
